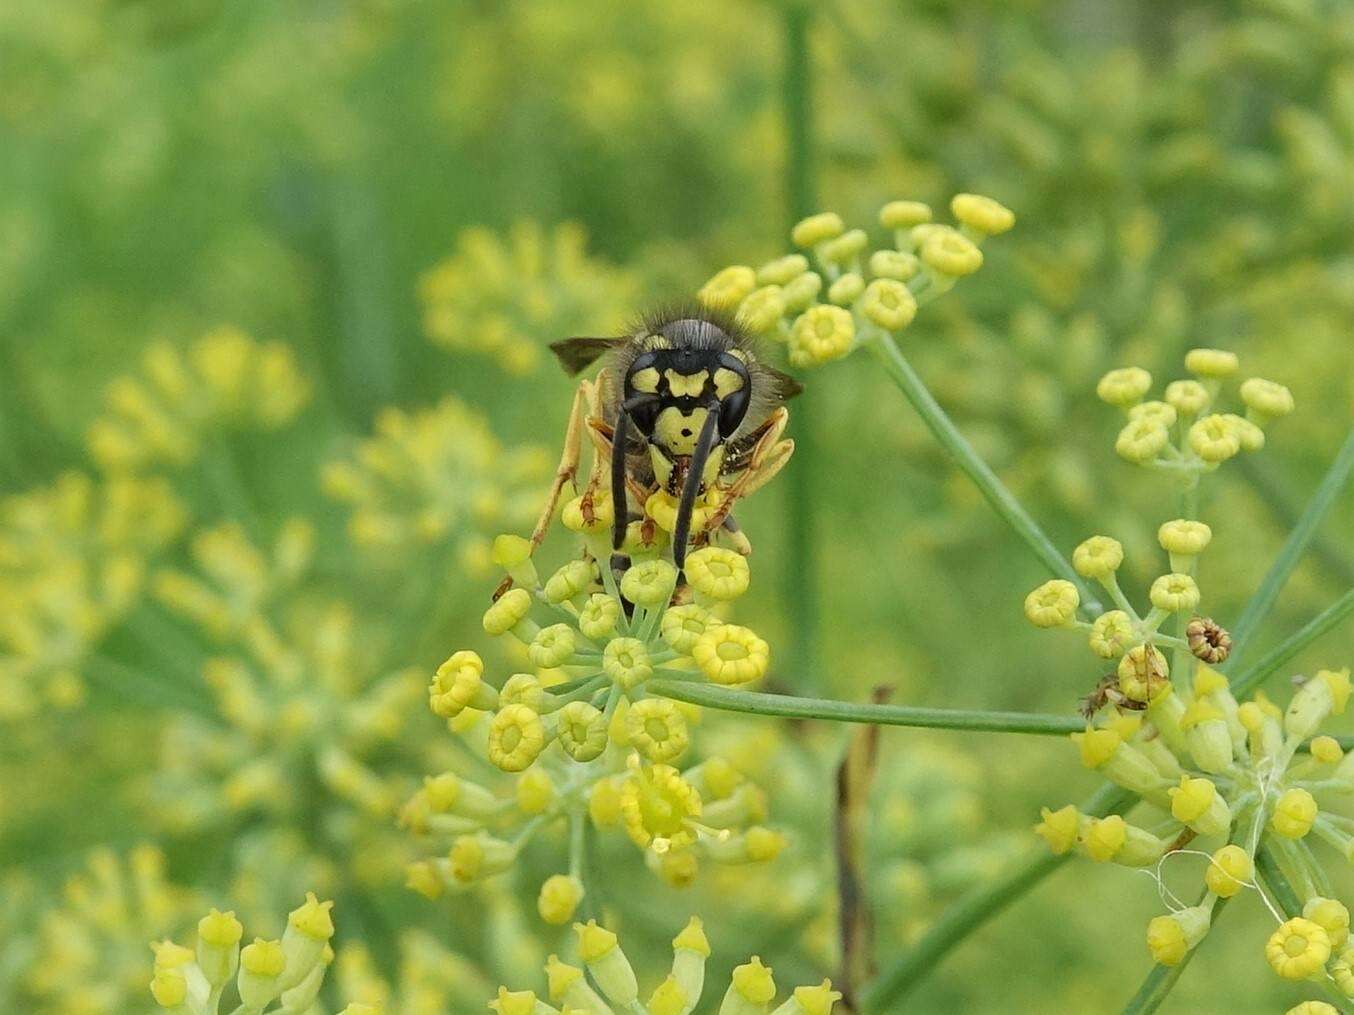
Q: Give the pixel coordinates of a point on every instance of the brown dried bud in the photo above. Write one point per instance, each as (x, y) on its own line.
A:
(1207, 640)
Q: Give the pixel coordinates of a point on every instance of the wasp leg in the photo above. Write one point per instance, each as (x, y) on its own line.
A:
(700, 455)
(759, 464)
(568, 464)
(730, 535)
(620, 503)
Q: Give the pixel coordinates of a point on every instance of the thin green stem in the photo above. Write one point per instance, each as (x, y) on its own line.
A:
(991, 487)
(1293, 549)
(975, 909)
(804, 477)
(1162, 979)
(789, 706)
(1293, 644)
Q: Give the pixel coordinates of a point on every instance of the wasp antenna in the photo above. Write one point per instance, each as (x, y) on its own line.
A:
(681, 531)
(619, 503)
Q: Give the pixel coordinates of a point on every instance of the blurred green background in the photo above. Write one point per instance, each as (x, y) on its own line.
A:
(362, 220)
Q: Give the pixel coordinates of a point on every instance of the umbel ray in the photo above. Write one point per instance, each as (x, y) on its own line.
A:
(685, 419)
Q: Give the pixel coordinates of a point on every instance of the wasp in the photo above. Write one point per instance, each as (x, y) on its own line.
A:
(682, 404)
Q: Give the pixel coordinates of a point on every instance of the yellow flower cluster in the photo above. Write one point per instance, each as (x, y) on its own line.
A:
(225, 380)
(89, 951)
(434, 476)
(73, 557)
(287, 972)
(1123, 635)
(855, 295)
(1183, 432)
(499, 296)
(584, 727)
(751, 990)
(300, 698)
(1230, 772)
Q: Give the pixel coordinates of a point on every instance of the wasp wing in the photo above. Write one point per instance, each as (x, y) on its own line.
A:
(577, 354)
(785, 386)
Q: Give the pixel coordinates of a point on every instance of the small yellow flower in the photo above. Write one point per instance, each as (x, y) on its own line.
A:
(1157, 412)
(604, 803)
(904, 214)
(1111, 634)
(516, 738)
(1175, 593)
(718, 573)
(535, 791)
(1052, 604)
(570, 581)
(553, 646)
(895, 264)
(626, 662)
(729, 654)
(1124, 387)
(511, 608)
(783, 270)
(1170, 938)
(1192, 799)
(1184, 537)
(1266, 399)
(1250, 436)
(514, 1002)
(1313, 1008)
(657, 806)
(1098, 557)
(1059, 828)
(1231, 870)
(597, 620)
(846, 289)
(1294, 814)
(753, 983)
(1214, 439)
(559, 898)
(821, 334)
(1188, 398)
(1141, 440)
(815, 229)
(982, 214)
(649, 583)
(889, 304)
(597, 518)
(1298, 949)
(951, 253)
(1105, 837)
(657, 729)
(662, 508)
(1332, 916)
(1213, 363)
(1327, 750)
(845, 248)
(762, 309)
(799, 294)
(169, 987)
(582, 730)
(728, 288)
(683, 626)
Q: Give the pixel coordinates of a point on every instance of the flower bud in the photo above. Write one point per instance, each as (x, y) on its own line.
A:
(511, 609)
(815, 229)
(1298, 948)
(570, 581)
(1098, 557)
(1052, 604)
(1206, 733)
(610, 969)
(218, 946)
(889, 303)
(309, 928)
(751, 990)
(261, 965)
(728, 288)
(904, 214)
(846, 289)
(1230, 871)
(1124, 387)
(1059, 828)
(1198, 804)
(513, 555)
(982, 214)
(582, 730)
(1266, 400)
(1294, 813)
(1326, 693)
(1215, 364)
(559, 898)
(1171, 938)
(1331, 916)
(569, 988)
